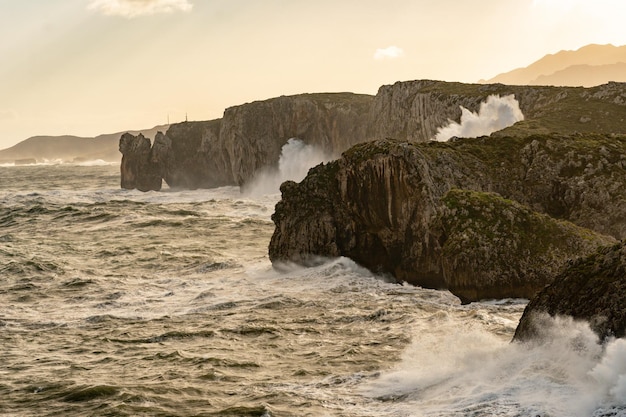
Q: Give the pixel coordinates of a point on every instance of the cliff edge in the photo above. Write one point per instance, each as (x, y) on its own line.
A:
(249, 138)
(387, 205)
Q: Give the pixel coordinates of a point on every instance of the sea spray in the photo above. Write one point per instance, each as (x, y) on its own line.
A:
(494, 114)
(459, 367)
(296, 158)
(607, 386)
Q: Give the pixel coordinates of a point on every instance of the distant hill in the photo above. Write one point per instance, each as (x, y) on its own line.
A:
(71, 148)
(588, 66)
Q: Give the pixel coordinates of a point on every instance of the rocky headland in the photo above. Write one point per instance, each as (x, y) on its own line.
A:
(249, 137)
(426, 213)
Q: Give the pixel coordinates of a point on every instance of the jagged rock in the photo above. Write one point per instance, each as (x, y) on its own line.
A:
(591, 289)
(414, 110)
(381, 203)
(494, 248)
(137, 169)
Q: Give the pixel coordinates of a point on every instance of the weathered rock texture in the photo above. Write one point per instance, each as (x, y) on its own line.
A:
(497, 248)
(137, 168)
(189, 157)
(231, 150)
(413, 110)
(591, 289)
(253, 134)
(381, 204)
(249, 137)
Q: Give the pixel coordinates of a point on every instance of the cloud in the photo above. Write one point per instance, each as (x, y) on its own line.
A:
(494, 114)
(135, 8)
(390, 52)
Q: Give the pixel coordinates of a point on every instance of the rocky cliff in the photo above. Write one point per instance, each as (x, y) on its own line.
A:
(231, 150)
(381, 205)
(414, 110)
(249, 137)
(591, 289)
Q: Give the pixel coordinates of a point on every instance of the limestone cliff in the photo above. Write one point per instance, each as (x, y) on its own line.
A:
(231, 150)
(249, 137)
(381, 203)
(253, 134)
(591, 289)
(188, 156)
(414, 110)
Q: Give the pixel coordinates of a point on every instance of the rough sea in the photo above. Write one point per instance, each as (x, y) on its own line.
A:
(123, 303)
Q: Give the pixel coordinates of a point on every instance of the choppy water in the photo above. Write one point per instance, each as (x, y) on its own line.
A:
(117, 302)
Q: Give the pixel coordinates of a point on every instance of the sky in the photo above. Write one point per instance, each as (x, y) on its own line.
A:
(88, 67)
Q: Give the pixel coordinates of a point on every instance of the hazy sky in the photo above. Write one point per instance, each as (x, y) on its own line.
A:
(86, 67)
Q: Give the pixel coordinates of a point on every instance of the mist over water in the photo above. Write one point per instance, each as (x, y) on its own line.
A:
(296, 158)
(496, 113)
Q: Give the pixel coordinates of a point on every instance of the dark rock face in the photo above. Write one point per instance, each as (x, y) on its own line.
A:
(137, 167)
(249, 138)
(381, 205)
(188, 156)
(591, 289)
(231, 150)
(253, 134)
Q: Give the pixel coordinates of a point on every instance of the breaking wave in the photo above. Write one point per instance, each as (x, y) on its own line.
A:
(494, 114)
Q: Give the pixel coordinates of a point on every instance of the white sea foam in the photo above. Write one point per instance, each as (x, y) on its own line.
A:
(494, 114)
(296, 158)
(455, 367)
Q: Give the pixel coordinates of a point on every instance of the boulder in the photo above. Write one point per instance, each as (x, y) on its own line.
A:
(592, 289)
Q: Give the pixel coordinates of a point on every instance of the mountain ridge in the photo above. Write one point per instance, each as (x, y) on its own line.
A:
(552, 69)
(68, 148)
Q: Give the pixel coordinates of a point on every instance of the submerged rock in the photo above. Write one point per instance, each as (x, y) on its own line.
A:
(382, 204)
(591, 289)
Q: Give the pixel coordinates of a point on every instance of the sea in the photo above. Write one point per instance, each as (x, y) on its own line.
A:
(123, 303)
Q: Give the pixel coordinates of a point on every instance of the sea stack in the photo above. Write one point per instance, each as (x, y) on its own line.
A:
(137, 169)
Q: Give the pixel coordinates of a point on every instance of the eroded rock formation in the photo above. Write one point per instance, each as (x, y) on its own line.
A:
(591, 289)
(497, 248)
(381, 204)
(249, 138)
(138, 169)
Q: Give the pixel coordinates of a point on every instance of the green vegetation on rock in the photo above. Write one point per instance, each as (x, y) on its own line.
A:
(498, 248)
